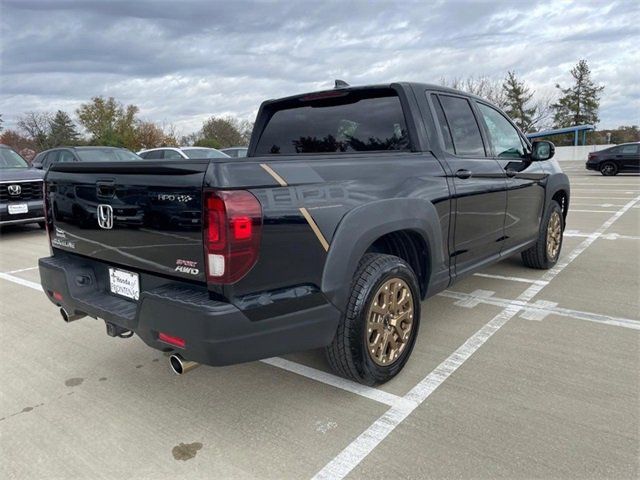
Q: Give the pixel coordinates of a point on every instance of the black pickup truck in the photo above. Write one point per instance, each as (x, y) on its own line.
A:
(352, 206)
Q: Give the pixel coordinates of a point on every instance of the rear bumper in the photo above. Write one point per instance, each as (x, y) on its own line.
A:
(35, 213)
(592, 165)
(215, 333)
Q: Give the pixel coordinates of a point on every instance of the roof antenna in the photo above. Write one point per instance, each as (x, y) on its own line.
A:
(340, 84)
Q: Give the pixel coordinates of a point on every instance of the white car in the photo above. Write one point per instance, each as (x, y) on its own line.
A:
(175, 153)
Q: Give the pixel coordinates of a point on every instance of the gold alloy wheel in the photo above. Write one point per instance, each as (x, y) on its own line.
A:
(554, 236)
(389, 322)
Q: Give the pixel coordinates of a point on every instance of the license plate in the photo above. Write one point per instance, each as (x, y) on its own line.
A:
(126, 284)
(16, 208)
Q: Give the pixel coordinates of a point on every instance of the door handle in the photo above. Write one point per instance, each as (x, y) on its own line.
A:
(462, 173)
(510, 173)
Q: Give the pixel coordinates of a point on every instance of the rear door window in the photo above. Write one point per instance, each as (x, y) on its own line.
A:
(51, 158)
(154, 155)
(335, 122)
(66, 156)
(467, 141)
(629, 149)
(444, 125)
(171, 155)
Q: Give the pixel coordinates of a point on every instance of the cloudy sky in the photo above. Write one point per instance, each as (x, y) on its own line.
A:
(183, 61)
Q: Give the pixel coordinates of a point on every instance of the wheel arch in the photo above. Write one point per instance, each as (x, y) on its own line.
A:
(394, 225)
(558, 189)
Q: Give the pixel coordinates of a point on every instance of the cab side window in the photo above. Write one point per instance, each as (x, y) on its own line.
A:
(172, 155)
(66, 156)
(504, 137)
(154, 155)
(51, 158)
(629, 149)
(444, 126)
(462, 125)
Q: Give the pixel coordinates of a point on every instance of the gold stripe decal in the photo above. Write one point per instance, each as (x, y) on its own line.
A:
(314, 227)
(275, 176)
(305, 213)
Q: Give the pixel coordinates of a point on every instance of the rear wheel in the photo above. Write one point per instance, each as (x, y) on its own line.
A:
(376, 334)
(609, 169)
(544, 254)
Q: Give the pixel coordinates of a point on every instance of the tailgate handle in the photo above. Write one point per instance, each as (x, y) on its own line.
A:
(106, 189)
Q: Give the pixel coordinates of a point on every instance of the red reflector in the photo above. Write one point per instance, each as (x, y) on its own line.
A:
(171, 340)
(241, 228)
(57, 296)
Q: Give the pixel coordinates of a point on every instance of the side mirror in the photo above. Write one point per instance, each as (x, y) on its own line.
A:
(543, 150)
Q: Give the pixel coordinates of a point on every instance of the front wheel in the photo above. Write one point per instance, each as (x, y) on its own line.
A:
(376, 334)
(544, 254)
(609, 169)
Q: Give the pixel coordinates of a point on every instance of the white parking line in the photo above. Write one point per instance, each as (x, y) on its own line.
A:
(601, 198)
(604, 190)
(604, 236)
(600, 184)
(541, 308)
(22, 270)
(511, 279)
(368, 440)
(309, 372)
(571, 210)
(21, 281)
(338, 382)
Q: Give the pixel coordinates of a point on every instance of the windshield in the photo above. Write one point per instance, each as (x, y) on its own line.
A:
(10, 159)
(204, 153)
(107, 155)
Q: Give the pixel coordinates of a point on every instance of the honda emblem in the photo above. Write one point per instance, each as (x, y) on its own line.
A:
(14, 189)
(105, 216)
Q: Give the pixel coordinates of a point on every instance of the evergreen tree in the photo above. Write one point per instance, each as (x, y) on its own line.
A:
(579, 103)
(62, 130)
(518, 102)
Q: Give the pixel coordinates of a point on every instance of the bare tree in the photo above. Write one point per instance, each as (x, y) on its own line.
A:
(37, 126)
(543, 116)
(483, 86)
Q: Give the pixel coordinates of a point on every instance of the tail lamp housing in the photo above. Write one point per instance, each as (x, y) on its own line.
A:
(232, 228)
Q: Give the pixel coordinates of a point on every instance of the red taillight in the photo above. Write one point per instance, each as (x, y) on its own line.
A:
(232, 231)
(171, 340)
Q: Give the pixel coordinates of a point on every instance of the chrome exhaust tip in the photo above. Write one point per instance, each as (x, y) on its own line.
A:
(69, 317)
(179, 365)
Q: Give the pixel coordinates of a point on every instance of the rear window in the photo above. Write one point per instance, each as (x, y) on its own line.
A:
(336, 122)
(106, 155)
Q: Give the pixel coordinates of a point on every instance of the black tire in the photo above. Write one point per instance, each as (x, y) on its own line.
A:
(348, 354)
(42, 225)
(537, 256)
(609, 169)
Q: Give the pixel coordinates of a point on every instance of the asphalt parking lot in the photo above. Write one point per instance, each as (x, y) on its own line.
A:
(517, 373)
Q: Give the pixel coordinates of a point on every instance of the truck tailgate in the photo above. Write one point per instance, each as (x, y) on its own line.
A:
(142, 215)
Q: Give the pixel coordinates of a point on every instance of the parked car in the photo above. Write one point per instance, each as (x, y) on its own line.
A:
(20, 190)
(351, 207)
(83, 154)
(611, 161)
(174, 153)
(236, 151)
